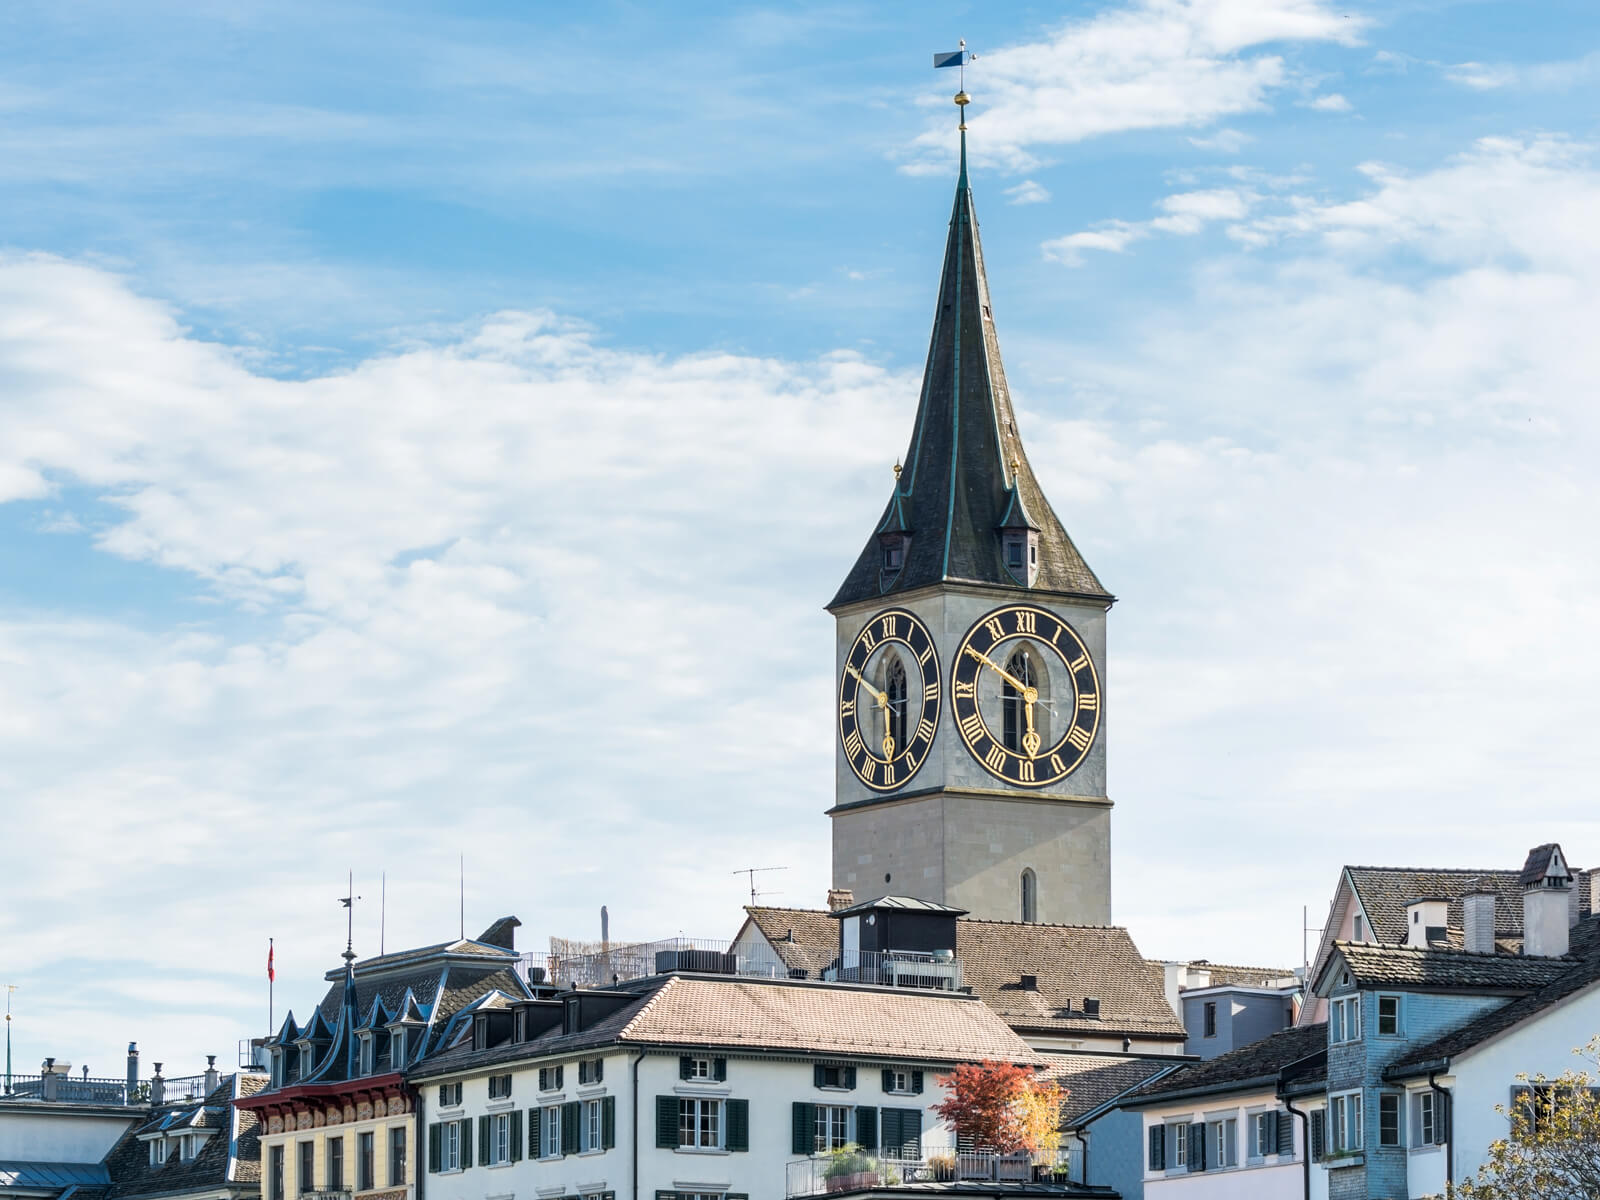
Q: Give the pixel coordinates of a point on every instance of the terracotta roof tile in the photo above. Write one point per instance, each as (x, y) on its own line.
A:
(1448, 969)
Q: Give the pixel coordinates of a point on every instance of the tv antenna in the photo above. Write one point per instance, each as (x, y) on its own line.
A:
(751, 873)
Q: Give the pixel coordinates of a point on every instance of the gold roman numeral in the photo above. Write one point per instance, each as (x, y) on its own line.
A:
(911, 763)
(888, 626)
(1024, 621)
(1088, 700)
(972, 727)
(1078, 663)
(995, 760)
(966, 691)
(867, 640)
(1056, 765)
(852, 744)
(847, 708)
(888, 774)
(1027, 770)
(930, 692)
(1080, 737)
(996, 630)
(925, 730)
(922, 659)
(1060, 629)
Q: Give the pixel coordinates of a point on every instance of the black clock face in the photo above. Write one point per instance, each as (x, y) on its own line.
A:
(889, 700)
(1025, 695)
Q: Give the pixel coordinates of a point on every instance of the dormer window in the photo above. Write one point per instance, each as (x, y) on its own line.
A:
(894, 547)
(366, 1054)
(1020, 550)
(158, 1152)
(893, 556)
(308, 1059)
(1016, 553)
(397, 1048)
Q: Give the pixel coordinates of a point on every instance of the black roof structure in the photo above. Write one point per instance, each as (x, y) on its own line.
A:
(966, 475)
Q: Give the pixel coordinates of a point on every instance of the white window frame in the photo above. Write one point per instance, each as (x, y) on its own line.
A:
(900, 1083)
(1425, 1129)
(701, 1112)
(1344, 1020)
(1399, 1015)
(1222, 1142)
(1263, 1133)
(550, 1131)
(157, 1151)
(831, 1127)
(364, 1067)
(499, 1139)
(450, 1146)
(591, 1128)
(1177, 1138)
(1344, 1126)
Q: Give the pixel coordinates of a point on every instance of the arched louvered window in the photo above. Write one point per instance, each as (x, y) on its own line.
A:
(894, 684)
(1013, 716)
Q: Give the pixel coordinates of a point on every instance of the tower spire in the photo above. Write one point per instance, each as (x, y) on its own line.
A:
(966, 479)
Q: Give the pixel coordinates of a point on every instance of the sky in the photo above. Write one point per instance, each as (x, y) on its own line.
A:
(429, 434)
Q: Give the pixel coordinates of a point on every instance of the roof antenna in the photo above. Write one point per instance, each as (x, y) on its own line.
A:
(383, 908)
(463, 897)
(752, 872)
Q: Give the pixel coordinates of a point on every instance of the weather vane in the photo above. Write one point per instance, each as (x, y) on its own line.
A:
(958, 58)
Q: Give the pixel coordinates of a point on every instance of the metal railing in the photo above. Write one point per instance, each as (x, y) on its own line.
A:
(72, 1089)
(637, 960)
(183, 1087)
(851, 1170)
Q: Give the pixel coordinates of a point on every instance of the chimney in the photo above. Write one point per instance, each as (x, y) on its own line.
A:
(1477, 908)
(1425, 921)
(840, 898)
(212, 1078)
(1546, 883)
(157, 1087)
(1576, 896)
(133, 1072)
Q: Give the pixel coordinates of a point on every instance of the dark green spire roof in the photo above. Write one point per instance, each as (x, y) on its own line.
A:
(966, 474)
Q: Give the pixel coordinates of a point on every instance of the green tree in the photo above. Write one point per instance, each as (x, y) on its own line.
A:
(1553, 1149)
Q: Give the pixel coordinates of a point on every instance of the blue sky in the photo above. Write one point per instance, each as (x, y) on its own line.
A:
(426, 433)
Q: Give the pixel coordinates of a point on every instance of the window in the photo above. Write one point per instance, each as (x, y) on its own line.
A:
(1178, 1142)
(1014, 712)
(449, 1095)
(833, 1127)
(1358, 928)
(1425, 1125)
(1388, 1016)
(397, 1156)
(397, 1048)
(1030, 896)
(335, 1163)
(700, 1124)
(903, 1082)
(157, 1155)
(593, 1126)
(1211, 1018)
(308, 1158)
(894, 686)
(364, 1162)
(186, 1148)
(1263, 1134)
(450, 1146)
(1016, 556)
(275, 1173)
(900, 1133)
(550, 1078)
(591, 1070)
(842, 1078)
(1388, 1119)
(1344, 1019)
(1344, 1132)
(308, 1060)
(1157, 1157)
(550, 1132)
(1223, 1139)
(365, 1067)
(499, 1087)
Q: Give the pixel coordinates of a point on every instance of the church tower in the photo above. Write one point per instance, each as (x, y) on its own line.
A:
(971, 765)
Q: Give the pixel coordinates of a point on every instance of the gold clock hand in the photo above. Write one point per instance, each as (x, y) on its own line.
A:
(881, 697)
(1030, 740)
(1004, 674)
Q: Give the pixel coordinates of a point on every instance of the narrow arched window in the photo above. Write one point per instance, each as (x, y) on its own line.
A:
(1013, 717)
(1030, 896)
(894, 684)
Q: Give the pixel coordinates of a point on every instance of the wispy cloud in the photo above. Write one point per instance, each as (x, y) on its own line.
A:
(1184, 213)
(1028, 192)
(1549, 76)
(1331, 102)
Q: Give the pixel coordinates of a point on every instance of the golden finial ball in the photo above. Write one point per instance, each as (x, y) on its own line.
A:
(963, 99)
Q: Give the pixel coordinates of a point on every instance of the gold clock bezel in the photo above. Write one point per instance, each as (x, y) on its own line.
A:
(902, 627)
(1042, 628)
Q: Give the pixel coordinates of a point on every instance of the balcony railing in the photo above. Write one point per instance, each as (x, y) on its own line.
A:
(848, 1170)
(896, 968)
(71, 1089)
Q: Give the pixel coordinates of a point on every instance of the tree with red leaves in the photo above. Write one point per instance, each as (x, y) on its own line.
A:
(1003, 1107)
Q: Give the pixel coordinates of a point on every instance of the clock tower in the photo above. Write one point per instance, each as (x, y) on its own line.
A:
(971, 709)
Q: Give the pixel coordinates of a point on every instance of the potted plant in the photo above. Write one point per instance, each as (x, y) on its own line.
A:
(848, 1169)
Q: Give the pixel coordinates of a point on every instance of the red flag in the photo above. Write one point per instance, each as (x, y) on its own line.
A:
(271, 974)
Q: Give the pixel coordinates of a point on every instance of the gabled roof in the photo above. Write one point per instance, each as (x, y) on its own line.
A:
(1582, 972)
(1385, 891)
(1437, 969)
(229, 1156)
(966, 474)
(1300, 1052)
(1070, 963)
(1093, 1081)
(1542, 861)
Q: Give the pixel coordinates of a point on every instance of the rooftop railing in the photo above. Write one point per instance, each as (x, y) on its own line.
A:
(72, 1089)
(852, 1170)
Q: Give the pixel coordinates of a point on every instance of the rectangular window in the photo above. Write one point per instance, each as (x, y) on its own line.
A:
(1388, 1016)
(364, 1161)
(1345, 1123)
(1223, 1143)
(450, 1146)
(1263, 1134)
(700, 1124)
(593, 1126)
(397, 1156)
(449, 1095)
(308, 1158)
(335, 1156)
(1178, 1140)
(366, 1056)
(1388, 1119)
(550, 1132)
(1358, 928)
(156, 1152)
(591, 1070)
(1344, 1019)
(275, 1173)
(1211, 1017)
(550, 1078)
(833, 1127)
(1424, 1125)
(699, 1068)
(499, 1087)
(900, 1081)
(1014, 554)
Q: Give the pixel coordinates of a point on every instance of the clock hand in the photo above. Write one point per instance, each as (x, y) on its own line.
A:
(1030, 740)
(1004, 674)
(881, 697)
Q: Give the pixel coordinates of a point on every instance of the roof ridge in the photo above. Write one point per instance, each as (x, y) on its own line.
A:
(1387, 948)
(1436, 870)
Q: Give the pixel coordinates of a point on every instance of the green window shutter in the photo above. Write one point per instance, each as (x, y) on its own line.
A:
(816, 1075)
(911, 1133)
(1158, 1148)
(738, 1131)
(533, 1133)
(1285, 1133)
(685, 1066)
(483, 1140)
(434, 1134)
(465, 1125)
(561, 1075)
(544, 1079)
(719, 1069)
(866, 1127)
(571, 1123)
(514, 1137)
(805, 1127)
(599, 1069)
(608, 1122)
(847, 1076)
(888, 1080)
(583, 1070)
(916, 1082)
(1319, 1135)
(667, 1122)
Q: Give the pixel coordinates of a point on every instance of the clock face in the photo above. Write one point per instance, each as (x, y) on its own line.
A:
(1025, 695)
(889, 699)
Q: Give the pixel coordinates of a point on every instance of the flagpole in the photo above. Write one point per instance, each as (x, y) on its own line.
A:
(270, 978)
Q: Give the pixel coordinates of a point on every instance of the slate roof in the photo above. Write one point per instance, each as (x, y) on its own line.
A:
(231, 1155)
(1070, 962)
(959, 486)
(1385, 892)
(1537, 864)
(1582, 971)
(1444, 970)
(1094, 1080)
(1224, 975)
(726, 1013)
(1302, 1047)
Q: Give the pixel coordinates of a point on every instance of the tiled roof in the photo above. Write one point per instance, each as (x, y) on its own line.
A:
(1091, 1080)
(1451, 970)
(1537, 864)
(1256, 1062)
(724, 1013)
(1070, 962)
(230, 1155)
(1583, 972)
(1225, 975)
(1385, 892)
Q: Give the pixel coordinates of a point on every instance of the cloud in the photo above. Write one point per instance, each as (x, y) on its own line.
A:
(1185, 213)
(1225, 141)
(1028, 192)
(1332, 102)
(1150, 65)
(1548, 77)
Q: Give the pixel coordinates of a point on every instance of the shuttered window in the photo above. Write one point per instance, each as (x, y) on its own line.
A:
(1156, 1159)
(1319, 1135)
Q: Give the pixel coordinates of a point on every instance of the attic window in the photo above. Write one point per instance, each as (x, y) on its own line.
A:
(1016, 559)
(158, 1152)
(894, 554)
